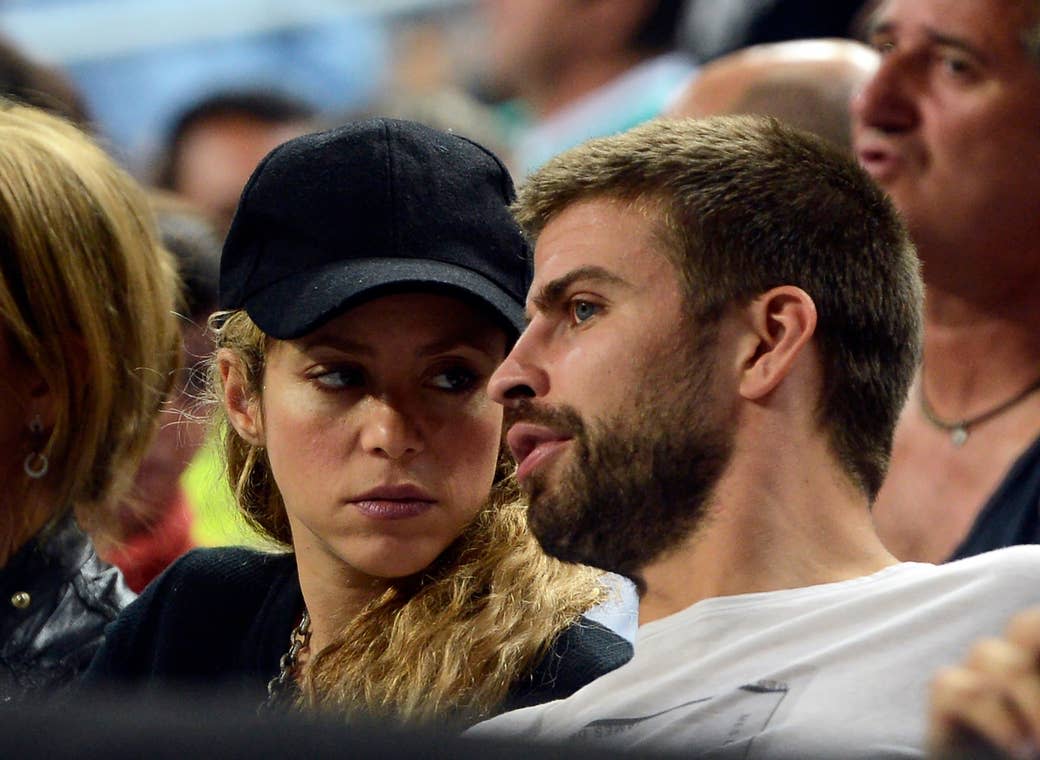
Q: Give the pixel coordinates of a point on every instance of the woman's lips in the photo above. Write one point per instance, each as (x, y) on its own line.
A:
(392, 509)
(396, 502)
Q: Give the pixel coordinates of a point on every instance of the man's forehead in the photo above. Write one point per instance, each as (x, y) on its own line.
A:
(605, 243)
(978, 17)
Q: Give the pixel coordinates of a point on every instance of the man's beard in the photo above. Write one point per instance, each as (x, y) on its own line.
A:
(639, 482)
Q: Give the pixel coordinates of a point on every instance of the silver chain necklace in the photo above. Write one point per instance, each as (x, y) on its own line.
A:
(299, 641)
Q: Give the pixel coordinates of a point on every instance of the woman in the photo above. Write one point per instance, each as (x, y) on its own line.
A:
(88, 346)
(372, 280)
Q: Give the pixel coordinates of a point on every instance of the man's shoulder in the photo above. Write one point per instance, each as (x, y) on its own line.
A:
(999, 565)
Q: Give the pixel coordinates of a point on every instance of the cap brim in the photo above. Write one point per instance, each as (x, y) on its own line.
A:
(299, 304)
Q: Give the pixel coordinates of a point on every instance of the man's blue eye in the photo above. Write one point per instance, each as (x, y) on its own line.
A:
(583, 310)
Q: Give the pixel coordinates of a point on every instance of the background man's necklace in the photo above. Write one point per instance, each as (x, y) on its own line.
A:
(959, 429)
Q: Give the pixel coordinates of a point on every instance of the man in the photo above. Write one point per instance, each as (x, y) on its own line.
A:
(805, 83)
(724, 323)
(34, 83)
(214, 145)
(582, 68)
(950, 128)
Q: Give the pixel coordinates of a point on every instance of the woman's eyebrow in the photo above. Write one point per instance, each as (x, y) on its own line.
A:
(478, 339)
(320, 340)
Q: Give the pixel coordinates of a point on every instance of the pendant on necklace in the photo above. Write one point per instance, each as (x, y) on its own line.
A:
(959, 435)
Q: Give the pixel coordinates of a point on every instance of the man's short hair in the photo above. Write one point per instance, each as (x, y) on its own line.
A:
(746, 205)
(25, 80)
(262, 106)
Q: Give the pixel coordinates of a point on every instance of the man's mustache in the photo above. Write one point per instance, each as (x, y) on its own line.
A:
(561, 419)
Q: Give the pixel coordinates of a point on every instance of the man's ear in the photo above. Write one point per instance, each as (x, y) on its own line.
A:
(240, 400)
(780, 323)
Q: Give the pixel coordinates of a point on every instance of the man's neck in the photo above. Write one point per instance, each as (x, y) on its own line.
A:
(979, 351)
(786, 518)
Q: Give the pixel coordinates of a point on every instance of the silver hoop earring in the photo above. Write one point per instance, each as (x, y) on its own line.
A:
(36, 465)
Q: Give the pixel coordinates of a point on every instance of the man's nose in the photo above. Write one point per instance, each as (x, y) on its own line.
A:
(522, 374)
(887, 103)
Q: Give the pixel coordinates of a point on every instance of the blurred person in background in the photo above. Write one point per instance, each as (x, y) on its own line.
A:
(164, 515)
(807, 84)
(28, 81)
(89, 345)
(580, 68)
(949, 126)
(213, 146)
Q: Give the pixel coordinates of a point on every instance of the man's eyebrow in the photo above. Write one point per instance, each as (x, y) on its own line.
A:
(551, 293)
(887, 28)
(874, 27)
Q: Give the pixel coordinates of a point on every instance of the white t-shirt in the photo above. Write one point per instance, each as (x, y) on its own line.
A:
(836, 670)
(619, 611)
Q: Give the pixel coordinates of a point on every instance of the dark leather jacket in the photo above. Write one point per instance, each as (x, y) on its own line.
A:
(56, 597)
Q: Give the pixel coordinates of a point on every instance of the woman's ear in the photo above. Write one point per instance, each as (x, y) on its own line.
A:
(781, 322)
(41, 399)
(240, 400)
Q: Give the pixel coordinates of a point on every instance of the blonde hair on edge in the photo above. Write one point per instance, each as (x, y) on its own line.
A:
(87, 298)
(446, 643)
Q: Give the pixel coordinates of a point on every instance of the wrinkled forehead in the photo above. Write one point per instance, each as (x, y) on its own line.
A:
(1017, 18)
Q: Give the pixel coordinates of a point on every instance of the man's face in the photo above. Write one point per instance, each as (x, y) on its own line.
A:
(525, 42)
(950, 124)
(613, 408)
(218, 155)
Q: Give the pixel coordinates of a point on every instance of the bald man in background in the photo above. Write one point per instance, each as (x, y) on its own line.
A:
(805, 83)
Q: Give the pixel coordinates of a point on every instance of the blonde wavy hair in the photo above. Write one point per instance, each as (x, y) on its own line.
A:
(87, 300)
(446, 643)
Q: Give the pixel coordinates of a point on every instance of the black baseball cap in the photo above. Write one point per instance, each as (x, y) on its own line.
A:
(333, 218)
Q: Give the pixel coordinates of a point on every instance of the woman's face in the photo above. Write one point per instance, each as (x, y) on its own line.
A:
(380, 432)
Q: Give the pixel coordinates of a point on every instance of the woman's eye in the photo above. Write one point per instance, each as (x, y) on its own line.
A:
(582, 311)
(454, 379)
(339, 378)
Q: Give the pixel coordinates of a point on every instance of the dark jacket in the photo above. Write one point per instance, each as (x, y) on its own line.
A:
(57, 598)
(222, 618)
